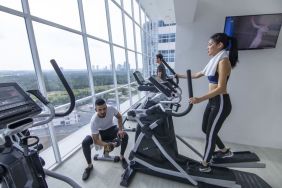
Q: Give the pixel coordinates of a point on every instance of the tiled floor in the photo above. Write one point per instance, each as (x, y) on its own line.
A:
(107, 174)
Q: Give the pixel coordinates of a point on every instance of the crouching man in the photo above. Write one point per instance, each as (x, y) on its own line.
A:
(103, 128)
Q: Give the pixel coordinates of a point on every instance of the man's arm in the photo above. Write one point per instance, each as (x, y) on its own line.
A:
(121, 132)
(159, 73)
(161, 70)
(97, 140)
(194, 75)
(119, 117)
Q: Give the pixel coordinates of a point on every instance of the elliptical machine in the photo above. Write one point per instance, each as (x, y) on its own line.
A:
(155, 151)
(20, 163)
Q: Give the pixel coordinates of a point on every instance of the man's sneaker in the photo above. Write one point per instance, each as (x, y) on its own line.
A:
(86, 173)
(205, 169)
(124, 163)
(221, 154)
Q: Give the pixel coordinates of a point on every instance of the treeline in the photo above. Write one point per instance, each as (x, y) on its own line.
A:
(76, 79)
(79, 80)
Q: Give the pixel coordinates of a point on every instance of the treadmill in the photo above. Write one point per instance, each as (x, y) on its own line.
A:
(155, 151)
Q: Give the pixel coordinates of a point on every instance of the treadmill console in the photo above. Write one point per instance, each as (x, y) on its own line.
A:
(15, 104)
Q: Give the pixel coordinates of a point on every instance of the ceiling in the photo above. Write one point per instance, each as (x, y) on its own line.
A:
(159, 10)
(171, 11)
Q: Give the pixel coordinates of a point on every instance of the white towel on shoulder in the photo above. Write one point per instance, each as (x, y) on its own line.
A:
(211, 67)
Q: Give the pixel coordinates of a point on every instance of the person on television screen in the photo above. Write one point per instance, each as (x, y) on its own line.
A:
(219, 106)
(261, 29)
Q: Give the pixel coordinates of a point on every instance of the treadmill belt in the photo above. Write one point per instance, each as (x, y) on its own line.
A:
(238, 157)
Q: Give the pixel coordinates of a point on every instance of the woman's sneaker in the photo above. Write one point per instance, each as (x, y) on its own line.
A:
(205, 169)
(221, 154)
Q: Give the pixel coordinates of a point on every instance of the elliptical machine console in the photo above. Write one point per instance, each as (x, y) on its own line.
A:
(20, 163)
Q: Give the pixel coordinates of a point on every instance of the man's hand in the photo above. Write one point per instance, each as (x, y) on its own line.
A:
(121, 133)
(109, 147)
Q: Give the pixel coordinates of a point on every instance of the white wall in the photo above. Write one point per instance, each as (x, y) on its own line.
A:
(255, 85)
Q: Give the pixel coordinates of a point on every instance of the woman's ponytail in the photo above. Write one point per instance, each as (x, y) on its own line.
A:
(233, 51)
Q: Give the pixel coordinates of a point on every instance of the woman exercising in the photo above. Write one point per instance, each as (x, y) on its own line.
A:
(219, 106)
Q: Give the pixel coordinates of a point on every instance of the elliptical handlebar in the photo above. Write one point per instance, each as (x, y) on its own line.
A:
(190, 91)
(67, 87)
(173, 72)
(171, 93)
(52, 113)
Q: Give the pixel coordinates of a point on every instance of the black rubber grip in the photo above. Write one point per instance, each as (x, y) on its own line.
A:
(67, 87)
(39, 95)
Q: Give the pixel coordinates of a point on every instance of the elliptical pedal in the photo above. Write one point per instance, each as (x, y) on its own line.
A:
(243, 159)
(238, 157)
(249, 180)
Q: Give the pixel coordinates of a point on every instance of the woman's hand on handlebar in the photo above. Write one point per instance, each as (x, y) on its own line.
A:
(195, 100)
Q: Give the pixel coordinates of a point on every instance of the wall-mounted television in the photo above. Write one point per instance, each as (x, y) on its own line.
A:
(254, 31)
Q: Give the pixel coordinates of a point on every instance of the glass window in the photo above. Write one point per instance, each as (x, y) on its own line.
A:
(15, 4)
(136, 11)
(17, 65)
(142, 17)
(138, 38)
(95, 18)
(134, 92)
(140, 63)
(143, 43)
(132, 64)
(129, 33)
(101, 65)
(109, 97)
(116, 24)
(147, 19)
(121, 67)
(52, 10)
(124, 101)
(67, 49)
(165, 38)
(127, 7)
(148, 45)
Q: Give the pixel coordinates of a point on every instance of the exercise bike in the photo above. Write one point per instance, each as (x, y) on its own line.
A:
(20, 163)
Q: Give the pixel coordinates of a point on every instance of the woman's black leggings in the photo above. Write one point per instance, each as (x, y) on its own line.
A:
(217, 110)
(107, 135)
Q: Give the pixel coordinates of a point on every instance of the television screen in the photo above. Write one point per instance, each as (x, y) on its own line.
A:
(254, 31)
